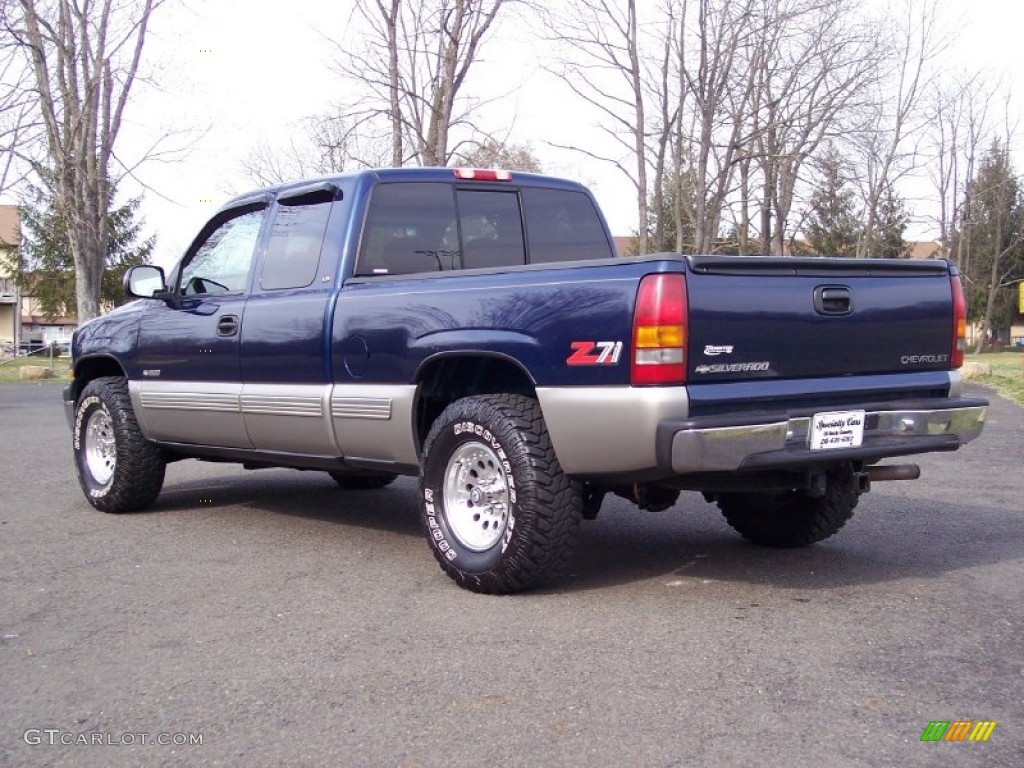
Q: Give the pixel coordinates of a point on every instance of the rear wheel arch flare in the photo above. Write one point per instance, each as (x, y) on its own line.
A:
(446, 377)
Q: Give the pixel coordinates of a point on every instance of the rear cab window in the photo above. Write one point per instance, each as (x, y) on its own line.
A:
(492, 228)
(422, 227)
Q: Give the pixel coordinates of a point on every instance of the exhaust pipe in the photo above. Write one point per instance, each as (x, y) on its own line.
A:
(893, 472)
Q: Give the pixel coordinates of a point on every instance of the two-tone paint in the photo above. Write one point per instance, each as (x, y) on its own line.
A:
(350, 370)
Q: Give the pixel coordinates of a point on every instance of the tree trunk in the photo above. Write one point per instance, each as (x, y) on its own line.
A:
(394, 95)
(84, 58)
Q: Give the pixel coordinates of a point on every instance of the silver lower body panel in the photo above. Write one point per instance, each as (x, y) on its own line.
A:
(608, 429)
(371, 423)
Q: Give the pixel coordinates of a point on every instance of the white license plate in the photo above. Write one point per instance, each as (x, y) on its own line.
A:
(837, 429)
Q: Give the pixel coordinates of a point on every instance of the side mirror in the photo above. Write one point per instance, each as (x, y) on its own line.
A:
(145, 282)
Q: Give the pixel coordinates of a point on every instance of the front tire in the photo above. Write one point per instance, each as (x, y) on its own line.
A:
(792, 518)
(118, 469)
(499, 513)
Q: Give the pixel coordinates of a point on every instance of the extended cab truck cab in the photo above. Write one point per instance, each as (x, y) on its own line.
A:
(474, 328)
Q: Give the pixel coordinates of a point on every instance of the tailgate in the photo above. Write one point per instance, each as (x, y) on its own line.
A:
(770, 317)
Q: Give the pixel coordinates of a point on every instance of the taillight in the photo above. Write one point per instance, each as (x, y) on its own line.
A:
(659, 331)
(959, 322)
(482, 174)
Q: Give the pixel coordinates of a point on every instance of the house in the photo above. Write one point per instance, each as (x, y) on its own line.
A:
(10, 296)
(924, 249)
(22, 325)
(1017, 326)
(39, 331)
(625, 245)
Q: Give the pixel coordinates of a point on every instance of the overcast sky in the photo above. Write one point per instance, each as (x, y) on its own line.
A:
(228, 74)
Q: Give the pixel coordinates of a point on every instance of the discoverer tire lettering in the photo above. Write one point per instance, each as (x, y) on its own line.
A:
(118, 469)
(498, 512)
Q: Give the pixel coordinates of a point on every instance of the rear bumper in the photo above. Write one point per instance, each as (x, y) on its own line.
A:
(779, 440)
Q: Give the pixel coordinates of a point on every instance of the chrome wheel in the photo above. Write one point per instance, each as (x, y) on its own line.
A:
(100, 446)
(476, 498)
(499, 514)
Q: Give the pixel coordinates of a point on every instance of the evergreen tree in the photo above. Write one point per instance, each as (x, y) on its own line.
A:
(45, 269)
(662, 224)
(891, 222)
(992, 231)
(832, 226)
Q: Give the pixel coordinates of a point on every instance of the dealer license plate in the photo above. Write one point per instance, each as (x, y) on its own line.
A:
(837, 429)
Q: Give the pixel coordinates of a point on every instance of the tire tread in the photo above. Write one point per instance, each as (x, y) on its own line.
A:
(139, 473)
(554, 499)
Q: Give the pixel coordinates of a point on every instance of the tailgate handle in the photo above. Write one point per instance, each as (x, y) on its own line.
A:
(833, 300)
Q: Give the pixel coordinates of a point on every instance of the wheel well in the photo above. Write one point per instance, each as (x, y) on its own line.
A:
(93, 368)
(448, 379)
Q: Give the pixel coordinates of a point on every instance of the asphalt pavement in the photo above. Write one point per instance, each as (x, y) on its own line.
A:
(268, 618)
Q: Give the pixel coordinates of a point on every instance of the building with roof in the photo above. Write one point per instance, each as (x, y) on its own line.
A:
(23, 327)
(10, 296)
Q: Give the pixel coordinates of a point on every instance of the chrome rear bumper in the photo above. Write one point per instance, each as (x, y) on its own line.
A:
(781, 440)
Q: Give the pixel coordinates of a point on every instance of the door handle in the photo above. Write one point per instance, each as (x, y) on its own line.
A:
(227, 325)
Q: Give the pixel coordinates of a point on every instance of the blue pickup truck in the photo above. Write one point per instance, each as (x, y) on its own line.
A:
(475, 329)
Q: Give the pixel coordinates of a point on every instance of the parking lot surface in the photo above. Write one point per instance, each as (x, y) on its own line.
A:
(280, 621)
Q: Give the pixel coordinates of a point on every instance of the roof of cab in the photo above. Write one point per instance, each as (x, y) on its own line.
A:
(518, 179)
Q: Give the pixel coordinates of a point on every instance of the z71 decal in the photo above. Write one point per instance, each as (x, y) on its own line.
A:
(594, 353)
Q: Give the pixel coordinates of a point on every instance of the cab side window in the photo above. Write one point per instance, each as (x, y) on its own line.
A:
(410, 228)
(296, 238)
(563, 225)
(221, 264)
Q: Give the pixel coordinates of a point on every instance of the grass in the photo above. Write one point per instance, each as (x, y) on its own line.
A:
(1007, 373)
(9, 368)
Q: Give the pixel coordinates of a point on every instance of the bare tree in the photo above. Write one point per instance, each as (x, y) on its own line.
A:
(723, 79)
(907, 48)
(322, 145)
(18, 125)
(492, 153)
(411, 66)
(16, 129)
(959, 128)
(665, 86)
(83, 59)
(710, 90)
(601, 64)
(812, 61)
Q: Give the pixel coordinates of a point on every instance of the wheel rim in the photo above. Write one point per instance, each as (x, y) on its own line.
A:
(476, 499)
(100, 446)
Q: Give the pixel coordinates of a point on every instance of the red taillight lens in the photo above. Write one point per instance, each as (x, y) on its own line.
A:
(659, 331)
(482, 174)
(959, 323)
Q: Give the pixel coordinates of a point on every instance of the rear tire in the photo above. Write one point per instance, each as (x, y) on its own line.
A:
(792, 518)
(363, 482)
(119, 469)
(499, 513)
